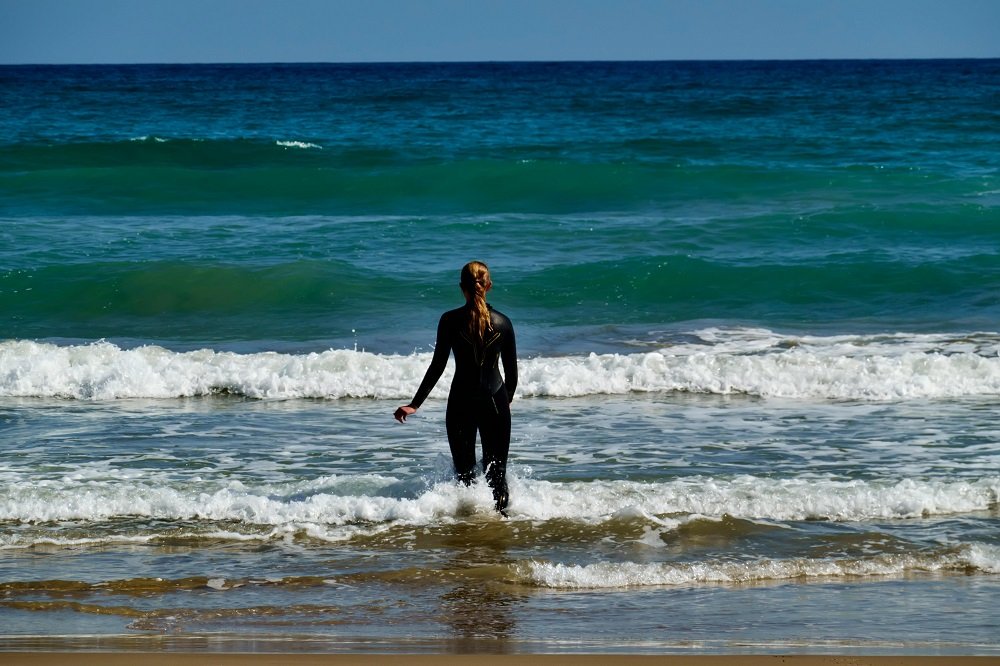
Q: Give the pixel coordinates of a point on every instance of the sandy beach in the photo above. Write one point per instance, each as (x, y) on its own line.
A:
(185, 659)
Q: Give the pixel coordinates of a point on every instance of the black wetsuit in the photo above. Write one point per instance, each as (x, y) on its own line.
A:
(480, 398)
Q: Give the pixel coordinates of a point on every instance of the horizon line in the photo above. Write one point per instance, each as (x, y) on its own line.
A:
(498, 61)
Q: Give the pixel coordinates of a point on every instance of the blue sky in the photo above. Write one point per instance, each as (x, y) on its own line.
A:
(117, 31)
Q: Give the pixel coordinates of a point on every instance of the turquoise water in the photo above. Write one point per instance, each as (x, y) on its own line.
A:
(756, 307)
(850, 196)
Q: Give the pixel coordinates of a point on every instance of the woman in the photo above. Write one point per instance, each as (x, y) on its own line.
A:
(480, 398)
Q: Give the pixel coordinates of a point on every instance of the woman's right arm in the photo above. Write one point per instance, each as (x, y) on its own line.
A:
(508, 355)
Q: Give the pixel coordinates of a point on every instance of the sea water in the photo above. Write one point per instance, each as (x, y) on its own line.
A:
(757, 314)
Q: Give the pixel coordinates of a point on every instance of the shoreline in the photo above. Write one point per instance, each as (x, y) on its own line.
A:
(190, 650)
(309, 659)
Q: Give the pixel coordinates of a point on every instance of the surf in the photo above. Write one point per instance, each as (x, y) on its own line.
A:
(752, 362)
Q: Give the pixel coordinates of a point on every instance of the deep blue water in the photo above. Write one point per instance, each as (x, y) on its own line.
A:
(756, 307)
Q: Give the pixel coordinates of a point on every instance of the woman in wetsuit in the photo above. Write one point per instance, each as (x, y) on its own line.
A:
(480, 337)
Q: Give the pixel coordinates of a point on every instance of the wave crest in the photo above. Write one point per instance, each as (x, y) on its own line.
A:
(756, 363)
(378, 500)
(976, 557)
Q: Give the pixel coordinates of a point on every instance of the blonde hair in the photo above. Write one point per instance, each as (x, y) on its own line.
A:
(475, 283)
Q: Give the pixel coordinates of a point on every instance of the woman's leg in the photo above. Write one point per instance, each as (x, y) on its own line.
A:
(494, 432)
(460, 422)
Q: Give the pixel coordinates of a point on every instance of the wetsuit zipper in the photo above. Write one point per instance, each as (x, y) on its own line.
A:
(480, 360)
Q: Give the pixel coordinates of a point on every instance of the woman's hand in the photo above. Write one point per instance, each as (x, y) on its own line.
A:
(404, 411)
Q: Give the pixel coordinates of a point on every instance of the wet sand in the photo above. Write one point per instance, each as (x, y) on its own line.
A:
(233, 659)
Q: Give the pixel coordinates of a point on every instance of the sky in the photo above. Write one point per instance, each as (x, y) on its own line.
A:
(186, 31)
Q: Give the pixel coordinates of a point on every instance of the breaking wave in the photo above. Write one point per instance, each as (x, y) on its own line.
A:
(748, 362)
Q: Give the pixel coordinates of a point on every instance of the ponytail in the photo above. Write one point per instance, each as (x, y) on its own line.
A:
(475, 283)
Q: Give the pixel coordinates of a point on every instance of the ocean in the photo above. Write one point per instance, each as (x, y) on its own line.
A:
(757, 311)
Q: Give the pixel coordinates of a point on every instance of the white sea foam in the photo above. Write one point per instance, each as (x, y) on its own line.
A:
(323, 506)
(298, 144)
(982, 557)
(69, 499)
(103, 371)
(759, 363)
(14, 541)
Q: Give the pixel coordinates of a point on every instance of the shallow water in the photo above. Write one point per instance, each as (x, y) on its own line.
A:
(763, 519)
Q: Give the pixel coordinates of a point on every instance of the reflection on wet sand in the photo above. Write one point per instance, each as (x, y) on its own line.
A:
(480, 609)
